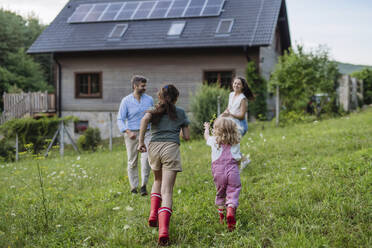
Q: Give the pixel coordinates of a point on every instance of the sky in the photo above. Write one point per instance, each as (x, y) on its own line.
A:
(342, 26)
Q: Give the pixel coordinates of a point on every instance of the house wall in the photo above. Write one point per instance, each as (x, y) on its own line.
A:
(267, 60)
(184, 68)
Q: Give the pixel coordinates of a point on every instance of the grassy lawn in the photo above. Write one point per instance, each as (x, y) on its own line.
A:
(308, 185)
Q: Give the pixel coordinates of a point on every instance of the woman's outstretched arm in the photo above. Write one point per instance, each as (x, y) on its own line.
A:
(143, 127)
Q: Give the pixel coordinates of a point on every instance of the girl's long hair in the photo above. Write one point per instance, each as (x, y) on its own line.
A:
(246, 90)
(226, 131)
(167, 98)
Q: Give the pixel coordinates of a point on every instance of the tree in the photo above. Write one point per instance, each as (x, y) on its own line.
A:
(258, 85)
(366, 76)
(301, 75)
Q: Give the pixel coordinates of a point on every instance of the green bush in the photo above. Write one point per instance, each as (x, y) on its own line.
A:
(7, 151)
(366, 76)
(258, 85)
(293, 117)
(90, 139)
(204, 105)
(31, 131)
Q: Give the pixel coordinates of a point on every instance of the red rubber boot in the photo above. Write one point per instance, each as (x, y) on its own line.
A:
(155, 205)
(164, 219)
(222, 215)
(230, 217)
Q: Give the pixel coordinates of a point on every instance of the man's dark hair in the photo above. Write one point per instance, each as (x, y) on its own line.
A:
(137, 79)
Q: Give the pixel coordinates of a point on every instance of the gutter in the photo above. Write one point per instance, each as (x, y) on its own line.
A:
(59, 86)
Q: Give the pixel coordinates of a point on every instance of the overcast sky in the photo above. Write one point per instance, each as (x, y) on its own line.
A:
(344, 26)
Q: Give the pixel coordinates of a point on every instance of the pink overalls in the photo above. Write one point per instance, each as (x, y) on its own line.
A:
(226, 176)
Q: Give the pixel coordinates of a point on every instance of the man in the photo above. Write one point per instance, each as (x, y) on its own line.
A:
(132, 109)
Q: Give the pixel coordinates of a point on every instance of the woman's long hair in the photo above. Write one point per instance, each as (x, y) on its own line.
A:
(246, 90)
(168, 96)
(226, 131)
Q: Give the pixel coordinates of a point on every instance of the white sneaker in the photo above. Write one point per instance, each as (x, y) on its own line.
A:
(244, 164)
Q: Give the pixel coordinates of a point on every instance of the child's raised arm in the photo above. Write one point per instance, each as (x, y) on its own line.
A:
(206, 130)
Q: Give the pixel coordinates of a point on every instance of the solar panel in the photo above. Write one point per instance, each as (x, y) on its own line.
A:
(143, 10)
(111, 12)
(177, 9)
(95, 13)
(80, 13)
(213, 8)
(149, 9)
(128, 10)
(194, 8)
(160, 10)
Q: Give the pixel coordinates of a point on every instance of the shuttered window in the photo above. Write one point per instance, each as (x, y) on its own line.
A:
(222, 78)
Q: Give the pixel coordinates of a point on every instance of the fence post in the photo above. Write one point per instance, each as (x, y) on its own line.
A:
(16, 147)
(62, 139)
(110, 146)
(218, 105)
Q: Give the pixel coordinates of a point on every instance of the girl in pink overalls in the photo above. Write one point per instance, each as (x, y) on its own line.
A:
(225, 167)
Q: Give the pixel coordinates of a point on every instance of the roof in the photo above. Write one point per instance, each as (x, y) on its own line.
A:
(255, 22)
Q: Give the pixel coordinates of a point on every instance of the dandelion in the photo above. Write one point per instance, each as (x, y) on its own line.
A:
(283, 137)
(62, 172)
(13, 214)
(116, 208)
(129, 208)
(126, 227)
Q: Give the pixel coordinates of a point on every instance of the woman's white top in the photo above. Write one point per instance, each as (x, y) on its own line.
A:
(234, 103)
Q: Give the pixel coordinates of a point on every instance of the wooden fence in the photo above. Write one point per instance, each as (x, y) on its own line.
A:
(27, 104)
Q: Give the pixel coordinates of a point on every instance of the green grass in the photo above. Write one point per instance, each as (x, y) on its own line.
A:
(308, 185)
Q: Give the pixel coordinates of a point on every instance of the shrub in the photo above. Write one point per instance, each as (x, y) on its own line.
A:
(366, 76)
(7, 151)
(293, 117)
(258, 85)
(204, 105)
(90, 139)
(31, 131)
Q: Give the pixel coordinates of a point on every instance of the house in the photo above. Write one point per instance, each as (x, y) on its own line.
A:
(98, 45)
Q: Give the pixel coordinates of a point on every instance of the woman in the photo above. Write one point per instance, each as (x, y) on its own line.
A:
(167, 121)
(237, 108)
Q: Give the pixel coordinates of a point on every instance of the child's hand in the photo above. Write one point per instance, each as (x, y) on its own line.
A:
(206, 125)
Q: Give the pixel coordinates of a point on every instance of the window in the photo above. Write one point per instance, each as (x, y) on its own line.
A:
(81, 126)
(224, 27)
(222, 78)
(88, 85)
(118, 31)
(176, 28)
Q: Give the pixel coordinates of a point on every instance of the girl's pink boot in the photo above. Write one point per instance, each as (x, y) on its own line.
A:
(222, 215)
(230, 217)
(164, 219)
(155, 205)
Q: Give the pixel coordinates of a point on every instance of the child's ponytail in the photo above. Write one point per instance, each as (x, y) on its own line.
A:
(167, 97)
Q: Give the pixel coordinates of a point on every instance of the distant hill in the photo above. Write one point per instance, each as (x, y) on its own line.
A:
(350, 68)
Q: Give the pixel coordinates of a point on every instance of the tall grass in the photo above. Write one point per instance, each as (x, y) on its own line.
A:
(308, 185)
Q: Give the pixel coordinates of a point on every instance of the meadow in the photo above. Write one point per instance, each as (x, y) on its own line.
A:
(308, 185)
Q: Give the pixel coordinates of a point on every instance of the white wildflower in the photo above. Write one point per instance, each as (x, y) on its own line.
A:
(126, 227)
(179, 191)
(119, 193)
(58, 226)
(78, 165)
(264, 140)
(78, 158)
(62, 172)
(116, 208)
(283, 137)
(261, 135)
(129, 208)
(13, 214)
(86, 239)
(53, 173)
(85, 176)
(12, 187)
(303, 168)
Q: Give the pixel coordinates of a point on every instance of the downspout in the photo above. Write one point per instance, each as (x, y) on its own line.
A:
(59, 90)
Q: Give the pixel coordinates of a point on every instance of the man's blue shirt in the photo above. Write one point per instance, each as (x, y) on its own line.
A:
(131, 112)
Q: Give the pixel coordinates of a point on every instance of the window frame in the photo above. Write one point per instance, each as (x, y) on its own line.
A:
(233, 74)
(125, 25)
(181, 31)
(218, 33)
(89, 96)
